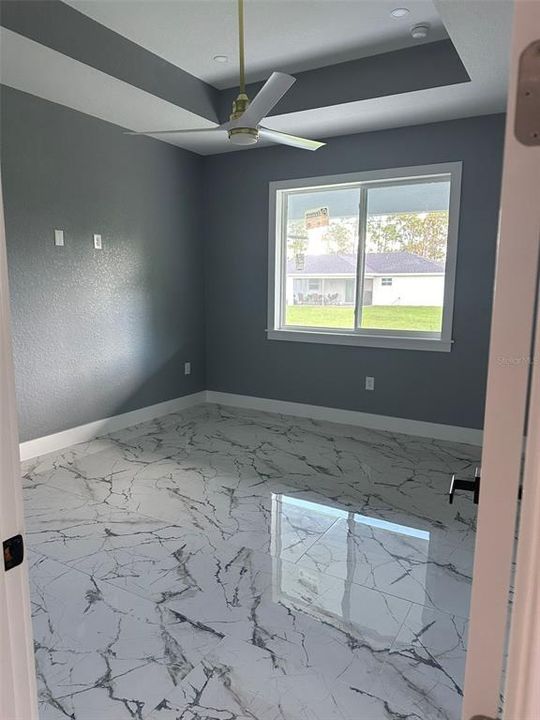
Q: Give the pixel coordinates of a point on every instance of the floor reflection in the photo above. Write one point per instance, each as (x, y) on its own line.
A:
(325, 578)
(401, 560)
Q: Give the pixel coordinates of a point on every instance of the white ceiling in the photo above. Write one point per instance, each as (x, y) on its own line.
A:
(479, 29)
(286, 35)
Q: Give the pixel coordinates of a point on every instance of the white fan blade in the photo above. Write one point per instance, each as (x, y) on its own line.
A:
(268, 96)
(225, 126)
(284, 139)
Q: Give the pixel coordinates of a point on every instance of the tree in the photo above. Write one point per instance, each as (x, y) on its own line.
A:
(339, 239)
(423, 234)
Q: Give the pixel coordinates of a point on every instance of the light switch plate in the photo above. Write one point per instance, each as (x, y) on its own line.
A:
(59, 237)
(97, 242)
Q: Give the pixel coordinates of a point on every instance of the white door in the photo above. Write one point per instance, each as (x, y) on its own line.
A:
(512, 333)
(17, 674)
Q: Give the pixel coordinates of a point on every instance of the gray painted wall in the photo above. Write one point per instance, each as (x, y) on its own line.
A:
(437, 387)
(98, 333)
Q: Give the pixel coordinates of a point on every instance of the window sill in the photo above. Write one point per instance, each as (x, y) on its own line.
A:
(376, 341)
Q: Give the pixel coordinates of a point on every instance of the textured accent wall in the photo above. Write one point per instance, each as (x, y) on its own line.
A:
(431, 386)
(99, 332)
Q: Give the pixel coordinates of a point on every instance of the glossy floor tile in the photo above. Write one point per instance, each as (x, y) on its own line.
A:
(230, 565)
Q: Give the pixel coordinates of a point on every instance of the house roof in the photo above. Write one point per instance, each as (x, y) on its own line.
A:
(391, 263)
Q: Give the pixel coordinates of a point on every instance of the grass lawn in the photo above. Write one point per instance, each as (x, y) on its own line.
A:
(383, 317)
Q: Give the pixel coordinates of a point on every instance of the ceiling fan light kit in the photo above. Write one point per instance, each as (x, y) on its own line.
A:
(243, 136)
(244, 125)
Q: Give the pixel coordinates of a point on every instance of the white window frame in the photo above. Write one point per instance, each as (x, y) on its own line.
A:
(399, 339)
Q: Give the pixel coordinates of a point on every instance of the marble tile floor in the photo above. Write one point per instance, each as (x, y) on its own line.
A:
(224, 564)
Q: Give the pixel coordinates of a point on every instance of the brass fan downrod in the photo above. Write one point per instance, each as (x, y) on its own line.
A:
(241, 47)
(240, 135)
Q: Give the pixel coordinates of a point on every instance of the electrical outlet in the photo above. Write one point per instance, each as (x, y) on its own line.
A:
(59, 238)
(187, 368)
(370, 383)
(97, 242)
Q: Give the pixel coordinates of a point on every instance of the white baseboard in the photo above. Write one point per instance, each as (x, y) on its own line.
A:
(83, 433)
(419, 428)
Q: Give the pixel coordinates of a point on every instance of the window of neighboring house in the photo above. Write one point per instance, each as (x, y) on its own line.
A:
(399, 225)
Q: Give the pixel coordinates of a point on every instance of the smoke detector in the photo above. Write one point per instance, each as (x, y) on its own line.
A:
(419, 32)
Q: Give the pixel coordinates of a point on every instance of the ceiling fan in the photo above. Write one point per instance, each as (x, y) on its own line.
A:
(243, 126)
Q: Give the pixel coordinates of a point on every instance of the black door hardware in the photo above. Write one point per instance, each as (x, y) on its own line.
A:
(469, 485)
(13, 552)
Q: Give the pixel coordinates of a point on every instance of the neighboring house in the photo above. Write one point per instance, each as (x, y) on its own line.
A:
(393, 278)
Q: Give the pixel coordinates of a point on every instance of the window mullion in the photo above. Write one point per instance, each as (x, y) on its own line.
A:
(284, 219)
(360, 257)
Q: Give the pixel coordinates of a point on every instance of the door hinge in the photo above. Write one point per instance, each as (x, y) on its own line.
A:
(527, 122)
(13, 552)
